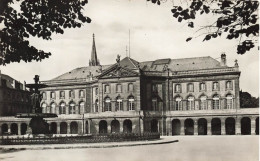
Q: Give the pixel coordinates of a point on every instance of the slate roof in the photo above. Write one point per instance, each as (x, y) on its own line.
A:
(82, 72)
(184, 64)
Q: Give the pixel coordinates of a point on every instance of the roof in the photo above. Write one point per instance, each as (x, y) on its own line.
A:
(82, 72)
(184, 64)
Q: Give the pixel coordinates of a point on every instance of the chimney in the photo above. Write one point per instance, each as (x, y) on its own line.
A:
(223, 61)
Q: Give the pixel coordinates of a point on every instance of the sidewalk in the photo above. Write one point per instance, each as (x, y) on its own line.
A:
(162, 140)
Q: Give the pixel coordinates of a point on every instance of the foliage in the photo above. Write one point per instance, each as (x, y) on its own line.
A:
(247, 101)
(237, 19)
(39, 18)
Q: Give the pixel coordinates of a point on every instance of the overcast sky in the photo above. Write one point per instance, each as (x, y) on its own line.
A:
(155, 34)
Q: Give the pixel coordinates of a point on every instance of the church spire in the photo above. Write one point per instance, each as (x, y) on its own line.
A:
(94, 61)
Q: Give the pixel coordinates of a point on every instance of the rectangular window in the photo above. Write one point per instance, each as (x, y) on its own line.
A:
(107, 89)
(96, 91)
(81, 93)
(118, 88)
(130, 87)
(177, 88)
(228, 85)
(215, 86)
(202, 87)
(62, 94)
(71, 94)
(190, 87)
(52, 95)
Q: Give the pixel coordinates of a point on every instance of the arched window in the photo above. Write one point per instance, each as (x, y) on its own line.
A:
(52, 95)
(81, 93)
(71, 94)
(215, 86)
(53, 108)
(229, 102)
(72, 108)
(44, 108)
(62, 109)
(131, 105)
(96, 106)
(190, 87)
(215, 102)
(155, 104)
(119, 104)
(178, 104)
(107, 104)
(81, 107)
(203, 103)
(202, 87)
(130, 87)
(177, 88)
(62, 94)
(190, 103)
(118, 88)
(228, 85)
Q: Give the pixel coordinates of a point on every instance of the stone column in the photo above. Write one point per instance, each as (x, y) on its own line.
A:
(9, 128)
(168, 127)
(195, 127)
(182, 127)
(67, 109)
(238, 126)
(253, 124)
(19, 128)
(121, 126)
(209, 127)
(89, 126)
(58, 127)
(68, 127)
(141, 124)
(108, 128)
(80, 127)
(223, 126)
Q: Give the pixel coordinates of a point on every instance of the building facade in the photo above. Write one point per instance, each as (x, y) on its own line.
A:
(191, 96)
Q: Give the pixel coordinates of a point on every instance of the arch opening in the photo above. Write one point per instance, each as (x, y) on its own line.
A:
(202, 126)
(189, 127)
(115, 126)
(102, 127)
(154, 126)
(230, 126)
(176, 127)
(216, 126)
(74, 127)
(245, 126)
(127, 126)
(63, 128)
(23, 128)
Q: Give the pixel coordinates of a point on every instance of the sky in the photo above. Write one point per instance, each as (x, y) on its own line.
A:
(154, 34)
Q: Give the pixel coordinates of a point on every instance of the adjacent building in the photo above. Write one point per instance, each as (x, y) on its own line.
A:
(190, 96)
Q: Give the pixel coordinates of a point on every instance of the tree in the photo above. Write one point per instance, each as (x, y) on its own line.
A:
(39, 18)
(247, 101)
(236, 19)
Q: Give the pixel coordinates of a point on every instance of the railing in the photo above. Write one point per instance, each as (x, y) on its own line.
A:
(95, 138)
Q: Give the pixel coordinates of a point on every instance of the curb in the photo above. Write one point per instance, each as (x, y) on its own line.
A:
(68, 146)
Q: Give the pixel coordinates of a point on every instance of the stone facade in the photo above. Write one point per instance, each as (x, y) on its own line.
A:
(192, 96)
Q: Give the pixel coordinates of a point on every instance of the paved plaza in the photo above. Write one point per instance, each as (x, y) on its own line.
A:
(195, 148)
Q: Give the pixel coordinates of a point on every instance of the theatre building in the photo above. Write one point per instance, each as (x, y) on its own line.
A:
(190, 96)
